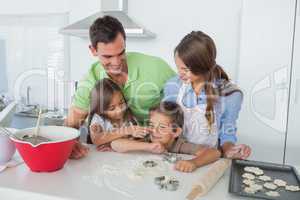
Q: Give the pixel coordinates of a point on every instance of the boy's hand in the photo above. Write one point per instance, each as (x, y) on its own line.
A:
(157, 148)
(185, 166)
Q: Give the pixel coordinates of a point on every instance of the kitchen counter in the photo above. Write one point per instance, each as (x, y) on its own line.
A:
(97, 177)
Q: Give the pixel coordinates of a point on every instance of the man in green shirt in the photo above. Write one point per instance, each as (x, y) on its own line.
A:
(141, 77)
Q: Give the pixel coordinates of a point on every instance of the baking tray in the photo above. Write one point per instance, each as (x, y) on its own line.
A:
(275, 171)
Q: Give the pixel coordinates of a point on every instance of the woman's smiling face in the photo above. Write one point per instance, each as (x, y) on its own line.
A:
(184, 72)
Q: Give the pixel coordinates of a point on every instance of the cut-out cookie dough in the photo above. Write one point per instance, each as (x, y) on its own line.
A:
(248, 182)
(292, 188)
(248, 176)
(280, 183)
(270, 186)
(265, 178)
(250, 190)
(254, 170)
(256, 187)
(272, 194)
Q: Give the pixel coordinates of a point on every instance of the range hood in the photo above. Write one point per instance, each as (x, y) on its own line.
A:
(115, 8)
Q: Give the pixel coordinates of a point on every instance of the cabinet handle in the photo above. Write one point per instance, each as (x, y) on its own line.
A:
(297, 91)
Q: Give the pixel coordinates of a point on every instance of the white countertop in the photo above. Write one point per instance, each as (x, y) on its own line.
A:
(98, 176)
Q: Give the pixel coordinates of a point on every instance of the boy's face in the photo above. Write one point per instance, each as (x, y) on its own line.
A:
(161, 128)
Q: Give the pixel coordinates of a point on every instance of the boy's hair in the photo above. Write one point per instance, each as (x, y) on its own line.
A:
(105, 30)
(171, 110)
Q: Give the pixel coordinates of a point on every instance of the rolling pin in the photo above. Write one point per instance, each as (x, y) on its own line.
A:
(209, 179)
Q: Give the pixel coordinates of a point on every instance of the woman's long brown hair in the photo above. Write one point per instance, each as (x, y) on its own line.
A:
(198, 52)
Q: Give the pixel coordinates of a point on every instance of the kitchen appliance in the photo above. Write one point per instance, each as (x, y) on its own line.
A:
(115, 8)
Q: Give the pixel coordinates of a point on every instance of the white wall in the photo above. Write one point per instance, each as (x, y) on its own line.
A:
(170, 20)
(34, 6)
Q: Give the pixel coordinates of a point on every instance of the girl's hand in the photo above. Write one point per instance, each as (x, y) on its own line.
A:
(185, 166)
(95, 128)
(241, 151)
(137, 131)
(157, 148)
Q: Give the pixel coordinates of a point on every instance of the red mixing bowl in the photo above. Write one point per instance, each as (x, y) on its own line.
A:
(47, 156)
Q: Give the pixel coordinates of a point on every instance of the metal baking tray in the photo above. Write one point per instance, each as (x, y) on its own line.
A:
(275, 171)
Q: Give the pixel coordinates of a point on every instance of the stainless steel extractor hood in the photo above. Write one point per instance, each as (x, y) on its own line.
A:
(115, 8)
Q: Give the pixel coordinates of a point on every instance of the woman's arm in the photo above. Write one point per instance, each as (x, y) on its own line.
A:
(227, 132)
(204, 156)
(127, 145)
(228, 119)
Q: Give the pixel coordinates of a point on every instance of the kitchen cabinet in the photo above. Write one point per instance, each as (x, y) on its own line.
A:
(293, 136)
(263, 74)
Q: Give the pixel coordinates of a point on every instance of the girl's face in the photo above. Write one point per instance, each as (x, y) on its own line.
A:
(184, 72)
(117, 107)
(161, 128)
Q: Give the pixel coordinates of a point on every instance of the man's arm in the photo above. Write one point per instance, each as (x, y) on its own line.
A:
(76, 117)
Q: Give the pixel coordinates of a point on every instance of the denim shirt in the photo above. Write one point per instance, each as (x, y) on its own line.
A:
(226, 109)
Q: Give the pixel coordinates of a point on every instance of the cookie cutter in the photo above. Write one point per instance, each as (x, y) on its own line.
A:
(149, 163)
(171, 157)
(172, 185)
(159, 180)
(169, 185)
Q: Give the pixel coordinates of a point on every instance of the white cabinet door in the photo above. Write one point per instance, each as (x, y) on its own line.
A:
(293, 136)
(265, 55)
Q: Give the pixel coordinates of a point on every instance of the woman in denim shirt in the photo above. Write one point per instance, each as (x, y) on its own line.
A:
(211, 103)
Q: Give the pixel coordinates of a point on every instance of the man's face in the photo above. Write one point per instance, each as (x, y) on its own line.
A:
(112, 55)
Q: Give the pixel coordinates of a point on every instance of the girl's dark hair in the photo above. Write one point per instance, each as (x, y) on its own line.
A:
(105, 29)
(101, 96)
(172, 110)
(198, 52)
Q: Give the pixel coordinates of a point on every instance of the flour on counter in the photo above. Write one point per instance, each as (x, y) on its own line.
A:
(126, 176)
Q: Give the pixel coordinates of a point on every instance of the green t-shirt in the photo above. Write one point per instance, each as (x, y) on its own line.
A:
(147, 76)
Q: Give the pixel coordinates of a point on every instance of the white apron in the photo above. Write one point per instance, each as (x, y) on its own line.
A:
(196, 127)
